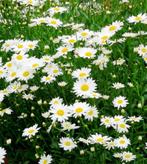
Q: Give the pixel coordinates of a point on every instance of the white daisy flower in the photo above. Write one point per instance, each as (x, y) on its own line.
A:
(67, 143)
(79, 108)
(98, 138)
(31, 131)
(2, 155)
(107, 121)
(86, 52)
(122, 142)
(68, 126)
(139, 18)
(118, 85)
(122, 127)
(91, 113)
(84, 87)
(127, 156)
(60, 113)
(120, 102)
(45, 159)
(81, 73)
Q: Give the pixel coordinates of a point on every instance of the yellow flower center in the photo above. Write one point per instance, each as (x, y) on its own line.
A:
(55, 71)
(54, 22)
(45, 161)
(42, 20)
(9, 65)
(100, 139)
(79, 110)
(120, 101)
(107, 121)
(104, 38)
(82, 74)
(26, 74)
(19, 57)
(20, 45)
(84, 34)
(116, 119)
(85, 87)
(30, 45)
(72, 41)
(88, 54)
(1, 72)
(67, 143)
(30, 2)
(56, 9)
(30, 131)
(122, 126)
(90, 113)
(112, 28)
(138, 18)
(64, 50)
(127, 156)
(122, 142)
(35, 65)
(60, 112)
(144, 50)
(13, 74)
(48, 78)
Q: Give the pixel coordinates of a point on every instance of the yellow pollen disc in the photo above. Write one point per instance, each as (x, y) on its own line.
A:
(112, 28)
(20, 46)
(30, 46)
(1, 72)
(144, 50)
(13, 74)
(120, 101)
(9, 65)
(85, 87)
(67, 143)
(122, 125)
(64, 50)
(100, 140)
(82, 74)
(35, 65)
(26, 74)
(7, 44)
(60, 112)
(72, 41)
(128, 156)
(30, 2)
(45, 161)
(104, 38)
(79, 110)
(47, 78)
(19, 57)
(138, 18)
(55, 71)
(122, 142)
(30, 131)
(84, 34)
(116, 119)
(88, 54)
(56, 102)
(42, 21)
(90, 113)
(107, 121)
(53, 22)
(56, 8)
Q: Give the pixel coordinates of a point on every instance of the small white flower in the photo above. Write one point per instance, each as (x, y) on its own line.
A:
(120, 101)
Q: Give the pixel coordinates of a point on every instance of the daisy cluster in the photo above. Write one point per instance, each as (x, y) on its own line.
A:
(71, 97)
